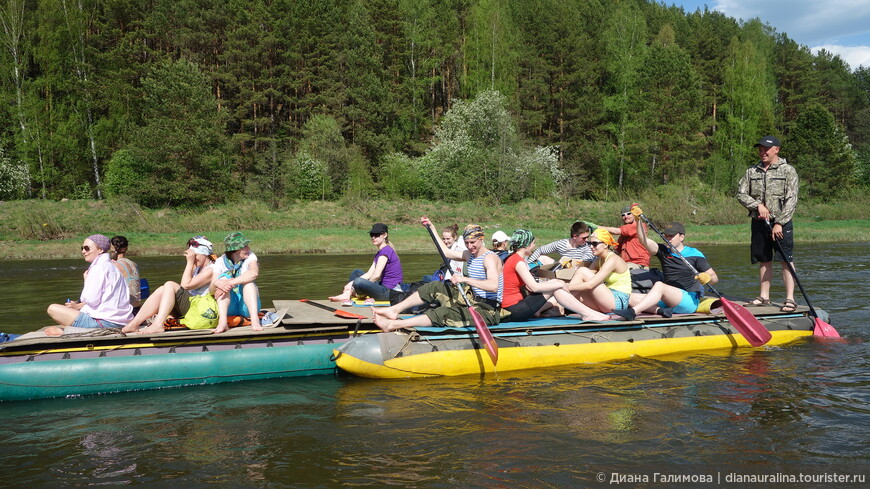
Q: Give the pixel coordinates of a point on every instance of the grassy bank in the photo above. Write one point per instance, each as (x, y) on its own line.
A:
(36, 229)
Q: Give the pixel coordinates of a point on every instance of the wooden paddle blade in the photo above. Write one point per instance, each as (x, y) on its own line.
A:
(822, 328)
(747, 324)
(485, 335)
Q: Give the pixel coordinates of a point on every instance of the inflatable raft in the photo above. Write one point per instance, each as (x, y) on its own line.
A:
(34, 366)
(431, 352)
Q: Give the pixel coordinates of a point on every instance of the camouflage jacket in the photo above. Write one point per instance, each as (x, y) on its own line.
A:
(776, 188)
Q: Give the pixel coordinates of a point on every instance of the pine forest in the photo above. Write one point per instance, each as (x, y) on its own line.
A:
(202, 102)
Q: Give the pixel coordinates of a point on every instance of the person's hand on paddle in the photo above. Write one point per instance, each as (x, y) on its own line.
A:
(704, 278)
(763, 212)
(776, 231)
(457, 278)
(636, 210)
(425, 222)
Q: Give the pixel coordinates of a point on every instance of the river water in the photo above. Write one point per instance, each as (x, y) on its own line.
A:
(707, 420)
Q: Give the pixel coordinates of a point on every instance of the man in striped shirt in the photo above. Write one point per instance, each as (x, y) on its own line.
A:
(573, 248)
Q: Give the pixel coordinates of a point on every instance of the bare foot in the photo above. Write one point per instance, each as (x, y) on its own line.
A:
(130, 328)
(384, 312)
(596, 316)
(382, 322)
(257, 327)
(340, 298)
(222, 328)
(151, 329)
(53, 331)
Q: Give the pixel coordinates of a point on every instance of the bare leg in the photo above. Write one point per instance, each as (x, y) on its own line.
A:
(393, 311)
(568, 300)
(148, 309)
(388, 325)
(659, 292)
(765, 273)
(63, 315)
(223, 308)
(251, 296)
(167, 303)
(788, 281)
(345, 294)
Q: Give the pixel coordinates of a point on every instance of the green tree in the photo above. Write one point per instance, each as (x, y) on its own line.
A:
(625, 50)
(748, 95)
(821, 153)
(671, 111)
(178, 153)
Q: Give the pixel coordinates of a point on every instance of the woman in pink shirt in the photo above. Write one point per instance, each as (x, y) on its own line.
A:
(105, 300)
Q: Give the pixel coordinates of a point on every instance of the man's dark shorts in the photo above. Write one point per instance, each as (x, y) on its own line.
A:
(762, 247)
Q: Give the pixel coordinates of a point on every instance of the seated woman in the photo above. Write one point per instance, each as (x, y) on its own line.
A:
(484, 278)
(450, 235)
(501, 245)
(173, 298)
(104, 301)
(383, 275)
(233, 283)
(606, 285)
(517, 277)
(128, 269)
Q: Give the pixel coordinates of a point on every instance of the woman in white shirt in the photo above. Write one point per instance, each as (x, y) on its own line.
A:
(174, 298)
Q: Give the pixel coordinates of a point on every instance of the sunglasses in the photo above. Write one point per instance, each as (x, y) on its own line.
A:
(86, 248)
(375, 235)
(626, 214)
(593, 244)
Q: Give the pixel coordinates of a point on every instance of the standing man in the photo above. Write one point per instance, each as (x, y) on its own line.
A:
(769, 190)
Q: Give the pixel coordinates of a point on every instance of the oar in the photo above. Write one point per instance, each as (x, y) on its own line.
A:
(821, 328)
(747, 324)
(479, 324)
(338, 312)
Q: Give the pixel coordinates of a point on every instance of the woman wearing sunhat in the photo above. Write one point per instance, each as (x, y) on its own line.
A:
(233, 286)
(174, 298)
(104, 301)
(384, 274)
(606, 285)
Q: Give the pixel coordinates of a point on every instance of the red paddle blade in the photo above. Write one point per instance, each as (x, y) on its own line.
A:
(747, 324)
(822, 328)
(348, 315)
(485, 335)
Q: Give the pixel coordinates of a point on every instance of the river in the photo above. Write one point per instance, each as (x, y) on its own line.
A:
(699, 420)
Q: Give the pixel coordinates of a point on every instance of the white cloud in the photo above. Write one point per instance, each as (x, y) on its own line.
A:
(840, 26)
(855, 56)
(807, 21)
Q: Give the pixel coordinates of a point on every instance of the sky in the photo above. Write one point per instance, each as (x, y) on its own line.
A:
(839, 26)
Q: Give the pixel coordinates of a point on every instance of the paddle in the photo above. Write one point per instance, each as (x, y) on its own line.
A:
(338, 312)
(479, 324)
(821, 328)
(747, 324)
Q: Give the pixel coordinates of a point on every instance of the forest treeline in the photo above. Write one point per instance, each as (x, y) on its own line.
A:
(194, 102)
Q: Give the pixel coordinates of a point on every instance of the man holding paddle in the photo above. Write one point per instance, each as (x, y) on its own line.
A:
(685, 269)
(769, 190)
(456, 307)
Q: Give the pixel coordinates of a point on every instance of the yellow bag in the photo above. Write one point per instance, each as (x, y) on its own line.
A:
(203, 312)
(710, 305)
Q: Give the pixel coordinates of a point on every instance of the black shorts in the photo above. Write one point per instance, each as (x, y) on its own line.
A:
(762, 248)
(526, 308)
